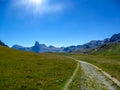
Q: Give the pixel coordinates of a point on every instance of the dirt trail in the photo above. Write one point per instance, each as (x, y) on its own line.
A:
(106, 74)
(71, 78)
(93, 78)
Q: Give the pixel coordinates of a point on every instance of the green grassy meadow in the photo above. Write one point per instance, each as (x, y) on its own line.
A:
(30, 71)
(49, 71)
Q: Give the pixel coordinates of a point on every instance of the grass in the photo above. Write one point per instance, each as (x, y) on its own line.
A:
(50, 71)
(30, 71)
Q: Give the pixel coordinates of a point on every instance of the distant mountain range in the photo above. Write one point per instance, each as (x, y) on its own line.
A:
(40, 48)
(91, 44)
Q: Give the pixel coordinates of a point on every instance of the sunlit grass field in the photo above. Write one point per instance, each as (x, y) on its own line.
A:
(30, 71)
(48, 71)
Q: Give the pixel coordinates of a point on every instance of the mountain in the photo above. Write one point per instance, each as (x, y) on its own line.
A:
(39, 48)
(3, 44)
(109, 45)
(91, 46)
(18, 47)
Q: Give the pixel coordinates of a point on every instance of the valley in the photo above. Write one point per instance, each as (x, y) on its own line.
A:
(56, 71)
(42, 67)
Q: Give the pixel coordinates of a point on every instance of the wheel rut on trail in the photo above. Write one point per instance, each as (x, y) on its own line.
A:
(71, 78)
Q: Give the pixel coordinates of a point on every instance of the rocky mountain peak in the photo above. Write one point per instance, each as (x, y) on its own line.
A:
(37, 43)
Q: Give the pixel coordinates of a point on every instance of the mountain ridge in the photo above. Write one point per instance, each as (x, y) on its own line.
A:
(40, 48)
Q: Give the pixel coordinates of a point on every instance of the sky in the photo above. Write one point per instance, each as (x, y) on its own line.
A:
(58, 22)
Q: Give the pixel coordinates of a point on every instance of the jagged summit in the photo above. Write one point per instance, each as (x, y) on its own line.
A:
(36, 43)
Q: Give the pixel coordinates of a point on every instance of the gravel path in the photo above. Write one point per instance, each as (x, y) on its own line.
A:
(93, 78)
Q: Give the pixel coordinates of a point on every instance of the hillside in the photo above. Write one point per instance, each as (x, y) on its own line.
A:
(30, 71)
(107, 49)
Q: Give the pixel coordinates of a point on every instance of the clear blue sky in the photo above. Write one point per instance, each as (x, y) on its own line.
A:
(58, 22)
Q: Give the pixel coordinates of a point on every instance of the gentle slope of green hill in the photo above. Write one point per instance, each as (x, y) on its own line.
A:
(29, 71)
